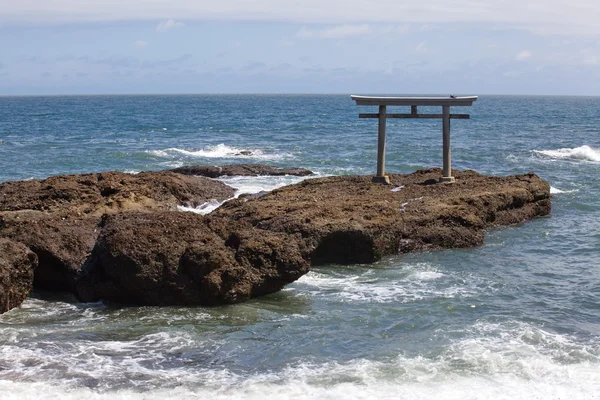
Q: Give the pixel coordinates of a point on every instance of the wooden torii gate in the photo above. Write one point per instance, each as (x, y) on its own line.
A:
(414, 102)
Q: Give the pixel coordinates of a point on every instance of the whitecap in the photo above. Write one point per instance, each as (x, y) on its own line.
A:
(460, 373)
(554, 190)
(582, 153)
(218, 151)
(410, 284)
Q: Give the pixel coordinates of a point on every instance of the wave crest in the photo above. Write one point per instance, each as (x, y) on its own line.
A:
(582, 153)
(217, 151)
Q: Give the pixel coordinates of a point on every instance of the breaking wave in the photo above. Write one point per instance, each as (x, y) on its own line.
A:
(582, 153)
(218, 151)
(509, 360)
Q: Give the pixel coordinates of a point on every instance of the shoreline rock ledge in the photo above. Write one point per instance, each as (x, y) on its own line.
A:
(351, 220)
(118, 237)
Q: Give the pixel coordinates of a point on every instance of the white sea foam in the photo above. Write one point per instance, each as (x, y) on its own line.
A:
(256, 184)
(582, 153)
(554, 190)
(244, 185)
(493, 361)
(411, 284)
(202, 209)
(218, 151)
(487, 360)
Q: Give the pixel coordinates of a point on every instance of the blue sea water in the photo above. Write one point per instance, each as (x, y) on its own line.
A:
(517, 318)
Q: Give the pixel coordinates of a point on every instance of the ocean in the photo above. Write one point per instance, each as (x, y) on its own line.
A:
(516, 318)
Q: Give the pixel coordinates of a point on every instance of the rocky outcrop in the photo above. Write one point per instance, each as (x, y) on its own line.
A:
(240, 170)
(61, 241)
(57, 217)
(109, 192)
(174, 258)
(17, 264)
(349, 219)
(115, 236)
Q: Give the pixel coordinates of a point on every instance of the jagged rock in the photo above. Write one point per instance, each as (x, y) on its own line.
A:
(108, 192)
(240, 170)
(168, 258)
(114, 236)
(349, 219)
(61, 241)
(17, 264)
(57, 217)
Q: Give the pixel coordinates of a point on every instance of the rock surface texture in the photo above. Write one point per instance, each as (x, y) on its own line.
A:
(17, 264)
(169, 258)
(349, 219)
(114, 236)
(58, 217)
(240, 170)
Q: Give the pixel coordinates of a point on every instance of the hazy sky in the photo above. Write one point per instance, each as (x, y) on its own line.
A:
(293, 46)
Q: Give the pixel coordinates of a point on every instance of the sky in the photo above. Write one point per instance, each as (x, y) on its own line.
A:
(300, 46)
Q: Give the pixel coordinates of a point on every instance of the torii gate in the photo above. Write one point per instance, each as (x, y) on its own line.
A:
(414, 102)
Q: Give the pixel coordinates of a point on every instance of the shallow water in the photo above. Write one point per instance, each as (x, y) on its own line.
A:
(518, 317)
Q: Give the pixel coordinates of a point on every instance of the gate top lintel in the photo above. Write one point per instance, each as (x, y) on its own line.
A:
(413, 101)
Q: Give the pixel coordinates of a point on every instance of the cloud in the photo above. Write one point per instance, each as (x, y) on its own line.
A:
(542, 16)
(165, 26)
(421, 48)
(511, 74)
(140, 44)
(253, 66)
(120, 62)
(589, 57)
(286, 43)
(523, 55)
(336, 32)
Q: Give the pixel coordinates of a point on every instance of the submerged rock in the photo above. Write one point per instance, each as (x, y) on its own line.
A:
(240, 170)
(17, 264)
(168, 258)
(349, 219)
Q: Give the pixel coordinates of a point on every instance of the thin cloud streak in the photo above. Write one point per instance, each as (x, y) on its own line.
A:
(165, 26)
(540, 16)
(523, 55)
(336, 32)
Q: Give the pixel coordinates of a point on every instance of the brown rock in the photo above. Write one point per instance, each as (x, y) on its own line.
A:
(349, 219)
(17, 264)
(108, 192)
(61, 241)
(113, 236)
(167, 258)
(240, 170)
(57, 217)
